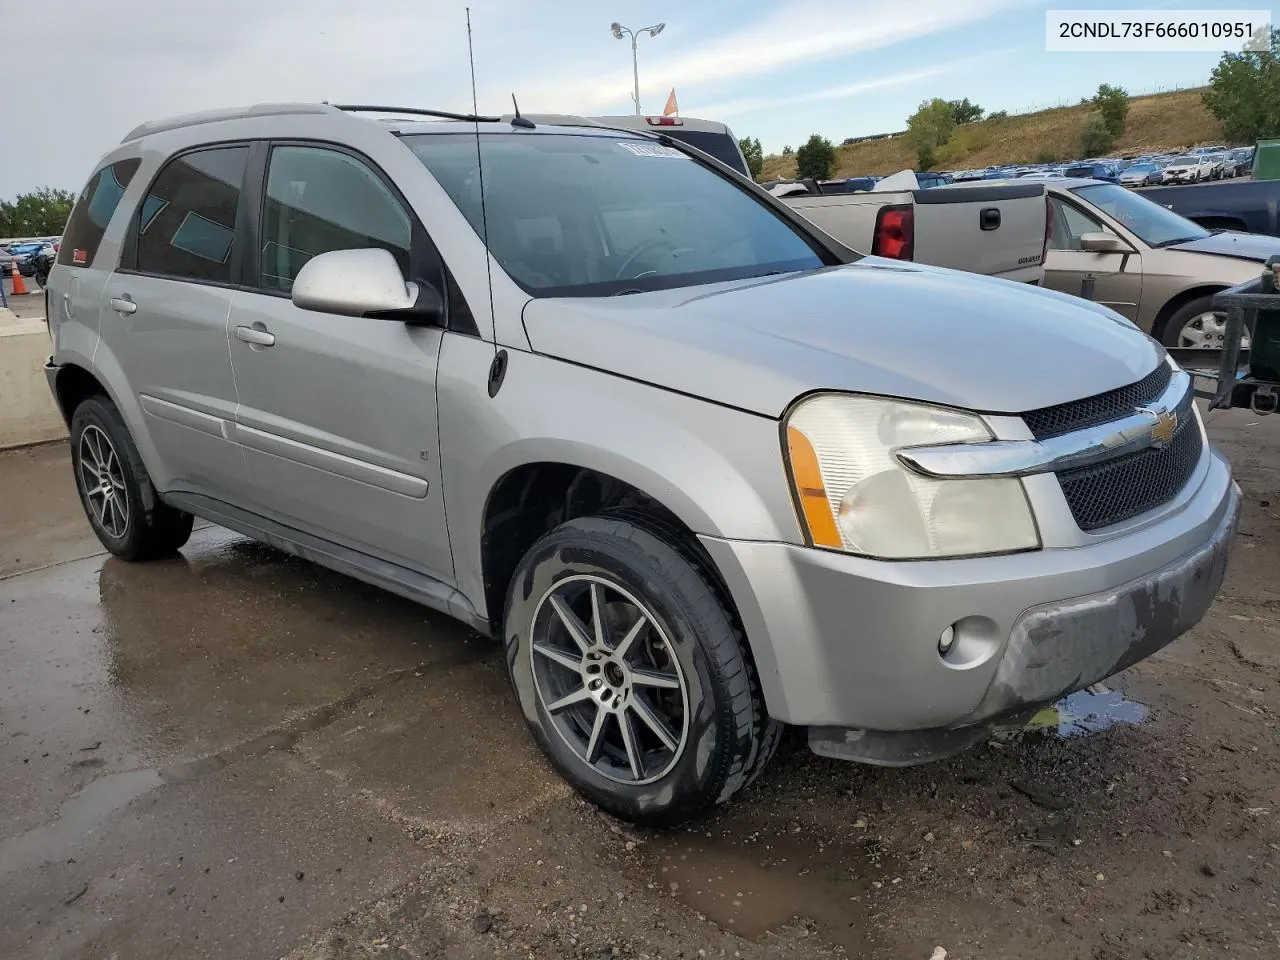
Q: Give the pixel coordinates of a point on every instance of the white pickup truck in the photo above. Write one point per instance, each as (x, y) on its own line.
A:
(995, 228)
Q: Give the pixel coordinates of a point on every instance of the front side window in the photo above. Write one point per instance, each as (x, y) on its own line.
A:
(319, 200)
(93, 211)
(1069, 225)
(187, 221)
(586, 215)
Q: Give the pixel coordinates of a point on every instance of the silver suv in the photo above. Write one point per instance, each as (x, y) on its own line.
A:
(704, 471)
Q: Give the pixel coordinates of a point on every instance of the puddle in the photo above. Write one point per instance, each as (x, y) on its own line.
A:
(1092, 710)
(752, 883)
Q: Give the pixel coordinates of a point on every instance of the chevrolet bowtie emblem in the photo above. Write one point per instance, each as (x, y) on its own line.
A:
(1163, 424)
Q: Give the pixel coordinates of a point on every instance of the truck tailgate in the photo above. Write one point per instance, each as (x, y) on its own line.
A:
(995, 229)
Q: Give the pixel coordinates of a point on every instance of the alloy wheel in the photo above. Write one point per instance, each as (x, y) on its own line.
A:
(102, 479)
(609, 679)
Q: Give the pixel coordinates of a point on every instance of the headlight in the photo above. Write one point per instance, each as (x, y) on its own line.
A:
(854, 495)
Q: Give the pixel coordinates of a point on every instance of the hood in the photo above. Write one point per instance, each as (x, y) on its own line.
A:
(875, 326)
(1243, 246)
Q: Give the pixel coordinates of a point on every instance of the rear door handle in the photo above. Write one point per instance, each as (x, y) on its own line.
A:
(255, 336)
(123, 304)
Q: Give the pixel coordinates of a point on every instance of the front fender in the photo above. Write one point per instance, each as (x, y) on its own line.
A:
(718, 469)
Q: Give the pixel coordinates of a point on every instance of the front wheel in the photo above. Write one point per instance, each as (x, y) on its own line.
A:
(1195, 325)
(632, 675)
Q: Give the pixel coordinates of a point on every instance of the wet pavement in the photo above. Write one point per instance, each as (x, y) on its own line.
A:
(234, 753)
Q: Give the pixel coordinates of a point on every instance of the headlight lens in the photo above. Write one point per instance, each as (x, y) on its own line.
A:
(856, 496)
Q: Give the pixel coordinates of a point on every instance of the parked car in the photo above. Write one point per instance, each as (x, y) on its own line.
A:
(22, 252)
(1241, 160)
(1141, 175)
(703, 470)
(995, 229)
(1146, 262)
(1189, 169)
(1095, 171)
(1248, 206)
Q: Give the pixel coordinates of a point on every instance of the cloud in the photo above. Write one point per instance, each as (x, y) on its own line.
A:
(746, 105)
(120, 63)
(793, 35)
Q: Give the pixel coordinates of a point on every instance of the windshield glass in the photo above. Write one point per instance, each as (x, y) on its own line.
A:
(1184, 161)
(1142, 168)
(584, 215)
(1157, 226)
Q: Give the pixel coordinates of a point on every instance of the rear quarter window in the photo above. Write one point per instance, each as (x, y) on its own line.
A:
(93, 211)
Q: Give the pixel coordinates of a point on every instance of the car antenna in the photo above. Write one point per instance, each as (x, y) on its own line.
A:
(517, 120)
(498, 368)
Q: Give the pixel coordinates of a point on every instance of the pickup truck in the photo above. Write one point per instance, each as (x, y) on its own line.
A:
(995, 229)
(1249, 206)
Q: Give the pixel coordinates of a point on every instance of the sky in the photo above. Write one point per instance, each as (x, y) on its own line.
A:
(778, 70)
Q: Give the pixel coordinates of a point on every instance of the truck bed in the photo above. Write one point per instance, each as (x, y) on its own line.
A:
(992, 229)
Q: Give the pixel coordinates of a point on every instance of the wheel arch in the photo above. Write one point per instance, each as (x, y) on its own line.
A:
(532, 498)
(1180, 300)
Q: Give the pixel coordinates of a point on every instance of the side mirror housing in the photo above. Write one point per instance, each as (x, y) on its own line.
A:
(1103, 242)
(364, 283)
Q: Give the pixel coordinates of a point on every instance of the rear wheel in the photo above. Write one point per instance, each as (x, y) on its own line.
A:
(631, 674)
(122, 506)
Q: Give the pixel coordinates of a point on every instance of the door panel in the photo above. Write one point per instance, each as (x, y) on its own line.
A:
(338, 424)
(337, 414)
(165, 321)
(1117, 276)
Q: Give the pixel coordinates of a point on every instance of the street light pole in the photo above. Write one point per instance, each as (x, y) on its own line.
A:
(618, 31)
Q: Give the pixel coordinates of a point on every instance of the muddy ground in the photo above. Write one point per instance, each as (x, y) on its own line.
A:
(235, 754)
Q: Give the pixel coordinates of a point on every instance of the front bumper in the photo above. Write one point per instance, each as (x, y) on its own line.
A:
(844, 641)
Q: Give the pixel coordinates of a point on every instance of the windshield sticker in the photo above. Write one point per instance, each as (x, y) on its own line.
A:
(651, 150)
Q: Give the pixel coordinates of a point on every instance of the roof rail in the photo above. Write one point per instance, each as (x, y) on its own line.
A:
(413, 112)
(226, 113)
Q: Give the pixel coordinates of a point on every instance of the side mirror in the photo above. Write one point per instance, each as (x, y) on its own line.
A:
(1102, 241)
(364, 283)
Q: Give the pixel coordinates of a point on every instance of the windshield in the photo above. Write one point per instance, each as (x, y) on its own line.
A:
(1184, 161)
(1142, 168)
(585, 215)
(1155, 225)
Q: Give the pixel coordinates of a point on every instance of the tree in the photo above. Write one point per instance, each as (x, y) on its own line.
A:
(929, 128)
(1113, 105)
(965, 112)
(753, 154)
(1096, 137)
(998, 116)
(41, 213)
(787, 151)
(815, 158)
(1244, 92)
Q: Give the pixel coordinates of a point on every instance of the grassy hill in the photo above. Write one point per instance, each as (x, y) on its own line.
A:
(1163, 121)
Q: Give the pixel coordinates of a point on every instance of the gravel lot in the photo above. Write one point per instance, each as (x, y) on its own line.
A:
(237, 754)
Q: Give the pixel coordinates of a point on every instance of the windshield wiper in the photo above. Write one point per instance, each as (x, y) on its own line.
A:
(1170, 243)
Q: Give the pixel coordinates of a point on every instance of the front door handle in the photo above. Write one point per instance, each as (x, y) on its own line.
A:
(123, 304)
(256, 336)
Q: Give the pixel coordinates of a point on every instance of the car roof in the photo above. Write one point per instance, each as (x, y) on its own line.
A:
(394, 120)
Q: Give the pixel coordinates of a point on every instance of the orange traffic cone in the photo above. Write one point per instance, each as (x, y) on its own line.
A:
(19, 288)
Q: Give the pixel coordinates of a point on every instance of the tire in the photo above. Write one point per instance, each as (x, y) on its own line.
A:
(1170, 333)
(129, 518)
(714, 714)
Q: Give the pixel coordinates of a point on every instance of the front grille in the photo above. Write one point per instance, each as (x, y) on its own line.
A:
(1112, 405)
(1114, 491)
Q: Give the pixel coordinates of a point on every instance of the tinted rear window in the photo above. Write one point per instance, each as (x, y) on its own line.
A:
(93, 211)
(720, 145)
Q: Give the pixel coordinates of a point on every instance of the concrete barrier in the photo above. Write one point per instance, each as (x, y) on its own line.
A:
(28, 413)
